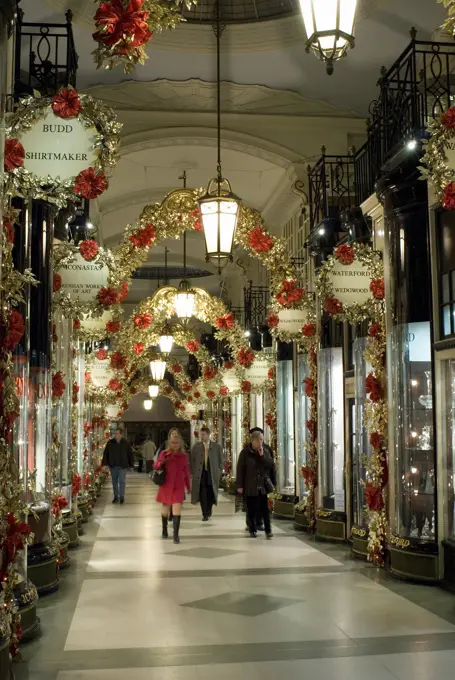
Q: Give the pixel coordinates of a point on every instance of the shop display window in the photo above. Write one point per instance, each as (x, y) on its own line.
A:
(303, 414)
(360, 440)
(449, 463)
(236, 434)
(285, 428)
(331, 429)
(411, 388)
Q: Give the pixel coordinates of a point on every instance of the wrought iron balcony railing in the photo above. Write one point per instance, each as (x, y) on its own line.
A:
(256, 301)
(331, 187)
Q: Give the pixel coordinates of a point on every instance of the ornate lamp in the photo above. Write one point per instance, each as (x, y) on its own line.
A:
(148, 403)
(329, 26)
(219, 206)
(184, 301)
(157, 369)
(166, 340)
(153, 391)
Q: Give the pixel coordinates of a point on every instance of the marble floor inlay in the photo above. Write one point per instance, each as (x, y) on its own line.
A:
(222, 606)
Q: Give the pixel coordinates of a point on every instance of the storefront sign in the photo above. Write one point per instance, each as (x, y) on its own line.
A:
(449, 150)
(231, 380)
(58, 148)
(101, 372)
(96, 324)
(82, 280)
(258, 372)
(111, 412)
(350, 283)
(292, 320)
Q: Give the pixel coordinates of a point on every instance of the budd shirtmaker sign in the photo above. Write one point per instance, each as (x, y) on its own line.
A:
(350, 283)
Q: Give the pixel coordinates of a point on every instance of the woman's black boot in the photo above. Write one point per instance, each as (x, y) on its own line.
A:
(176, 521)
(164, 523)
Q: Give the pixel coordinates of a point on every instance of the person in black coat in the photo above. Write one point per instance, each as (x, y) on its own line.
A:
(255, 470)
(259, 520)
(118, 456)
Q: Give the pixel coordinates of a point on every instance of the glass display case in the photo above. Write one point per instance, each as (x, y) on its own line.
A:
(285, 428)
(237, 432)
(303, 414)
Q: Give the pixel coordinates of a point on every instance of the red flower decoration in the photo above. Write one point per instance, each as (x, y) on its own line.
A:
(16, 329)
(197, 224)
(224, 391)
(448, 198)
(58, 504)
(333, 305)
(142, 320)
(245, 357)
(192, 346)
(225, 322)
(176, 368)
(270, 420)
(122, 29)
(113, 326)
(311, 427)
(228, 364)
(211, 394)
(289, 293)
(76, 324)
(87, 376)
(123, 291)
(377, 288)
(374, 330)
(373, 388)
(76, 484)
(143, 238)
(118, 361)
(376, 440)
(260, 241)
(448, 118)
(271, 373)
(101, 354)
(138, 348)
(309, 387)
(345, 253)
(75, 392)
(209, 372)
(57, 284)
(197, 395)
(14, 154)
(114, 384)
(107, 296)
(186, 387)
(90, 184)
(273, 320)
(58, 386)
(373, 497)
(89, 250)
(66, 103)
(246, 386)
(8, 228)
(309, 476)
(308, 330)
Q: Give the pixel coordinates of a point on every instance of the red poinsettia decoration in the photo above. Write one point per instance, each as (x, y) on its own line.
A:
(12, 541)
(448, 118)
(333, 305)
(273, 320)
(76, 324)
(377, 288)
(123, 291)
(211, 394)
(176, 368)
(76, 484)
(122, 27)
(89, 249)
(75, 392)
(289, 294)
(118, 361)
(186, 387)
(271, 373)
(197, 395)
(373, 497)
(113, 326)
(58, 386)
(308, 330)
(270, 420)
(448, 198)
(101, 354)
(309, 387)
(87, 376)
(16, 329)
(245, 357)
(114, 384)
(246, 386)
(228, 365)
(8, 229)
(374, 330)
(209, 372)
(345, 253)
(107, 296)
(260, 241)
(376, 440)
(224, 391)
(192, 346)
(90, 184)
(373, 388)
(309, 476)
(197, 224)
(142, 321)
(14, 154)
(225, 322)
(66, 103)
(311, 427)
(143, 238)
(138, 348)
(57, 283)
(58, 504)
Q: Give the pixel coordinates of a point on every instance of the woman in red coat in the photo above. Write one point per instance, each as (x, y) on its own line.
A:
(172, 493)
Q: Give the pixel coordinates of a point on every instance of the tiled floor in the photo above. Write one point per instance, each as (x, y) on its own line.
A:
(222, 606)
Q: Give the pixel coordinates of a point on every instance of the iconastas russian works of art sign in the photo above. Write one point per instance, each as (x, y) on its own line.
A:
(82, 280)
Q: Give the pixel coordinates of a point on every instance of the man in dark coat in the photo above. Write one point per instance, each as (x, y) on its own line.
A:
(259, 522)
(254, 470)
(206, 470)
(118, 456)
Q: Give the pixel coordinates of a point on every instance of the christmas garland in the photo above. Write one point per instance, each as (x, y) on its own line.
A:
(67, 104)
(449, 23)
(436, 168)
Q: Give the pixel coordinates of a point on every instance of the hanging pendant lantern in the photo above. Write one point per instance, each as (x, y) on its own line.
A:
(148, 403)
(157, 369)
(153, 391)
(219, 212)
(166, 340)
(184, 301)
(329, 26)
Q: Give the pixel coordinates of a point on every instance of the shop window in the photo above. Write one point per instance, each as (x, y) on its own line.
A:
(446, 249)
(285, 428)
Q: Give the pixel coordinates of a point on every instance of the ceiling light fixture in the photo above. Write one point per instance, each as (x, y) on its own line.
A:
(153, 391)
(148, 403)
(166, 340)
(185, 298)
(329, 26)
(157, 369)
(219, 206)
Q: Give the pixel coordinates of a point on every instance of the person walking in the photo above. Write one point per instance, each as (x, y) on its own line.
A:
(118, 457)
(206, 464)
(165, 447)
(177, 478)
(254, 467)
(148, 453)
(259, 521)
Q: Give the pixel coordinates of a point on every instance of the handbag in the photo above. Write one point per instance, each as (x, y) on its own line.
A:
(159, 476)
(268, 486)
